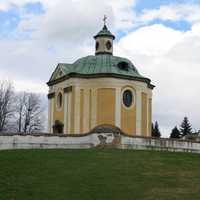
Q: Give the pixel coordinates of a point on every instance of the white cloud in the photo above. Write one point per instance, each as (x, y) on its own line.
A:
(76, 20)
(151, 40)
(174, 12)
(123, 13)
(30, 86)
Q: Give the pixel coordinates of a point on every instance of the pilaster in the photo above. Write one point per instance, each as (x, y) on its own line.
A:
(138, 112)
(118, 107)
(65, 113)
(94, 108)
(77, 111)
(86, 111)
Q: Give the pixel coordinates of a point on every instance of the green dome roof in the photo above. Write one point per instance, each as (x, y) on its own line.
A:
(103, 65)
(104, 32)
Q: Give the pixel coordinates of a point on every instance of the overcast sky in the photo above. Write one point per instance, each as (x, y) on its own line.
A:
(161, 37)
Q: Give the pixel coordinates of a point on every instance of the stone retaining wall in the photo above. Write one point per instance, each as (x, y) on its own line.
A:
(98, 140)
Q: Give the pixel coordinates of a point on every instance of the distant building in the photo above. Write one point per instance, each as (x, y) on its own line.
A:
(100, 89)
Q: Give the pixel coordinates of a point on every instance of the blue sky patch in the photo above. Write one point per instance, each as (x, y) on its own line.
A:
(155, 4)
(177, 25)
(9, 21)
(120, 34)
(181, 25)
(34, 8)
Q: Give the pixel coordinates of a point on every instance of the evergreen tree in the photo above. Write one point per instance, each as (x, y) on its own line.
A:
(156, 131)
(152, 130)
(175, 133)
(185, 128)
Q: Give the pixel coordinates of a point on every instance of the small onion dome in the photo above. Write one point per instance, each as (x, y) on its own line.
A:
(104, 33)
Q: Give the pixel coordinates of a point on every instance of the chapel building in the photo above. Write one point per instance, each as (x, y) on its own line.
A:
(100, 89)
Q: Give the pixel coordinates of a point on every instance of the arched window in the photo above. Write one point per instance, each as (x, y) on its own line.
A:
(127, 98)
(59, 100)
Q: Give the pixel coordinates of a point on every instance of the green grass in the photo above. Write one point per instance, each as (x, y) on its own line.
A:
(98, 174)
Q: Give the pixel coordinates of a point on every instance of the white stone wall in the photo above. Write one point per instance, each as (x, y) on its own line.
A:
(92, 140)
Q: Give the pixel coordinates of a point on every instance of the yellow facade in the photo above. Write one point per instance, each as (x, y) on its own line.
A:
(92, 105)
(97, 105)
(106, 106)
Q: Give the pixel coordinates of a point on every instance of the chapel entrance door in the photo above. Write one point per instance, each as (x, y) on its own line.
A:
(58, 127)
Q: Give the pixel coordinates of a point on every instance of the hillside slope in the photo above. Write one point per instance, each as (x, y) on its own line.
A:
(98, 174)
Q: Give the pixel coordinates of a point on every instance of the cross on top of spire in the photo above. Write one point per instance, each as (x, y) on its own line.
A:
(105, 19)
(104, 32)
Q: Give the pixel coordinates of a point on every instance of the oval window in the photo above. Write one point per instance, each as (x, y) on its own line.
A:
(108, 45)
(127, 98)
(97, 45)
(59, 100)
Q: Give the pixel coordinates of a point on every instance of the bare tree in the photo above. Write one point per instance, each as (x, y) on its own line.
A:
(20, 112)
(6, 104)
(29, 113)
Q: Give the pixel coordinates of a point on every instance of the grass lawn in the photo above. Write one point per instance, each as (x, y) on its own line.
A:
(98, 174)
